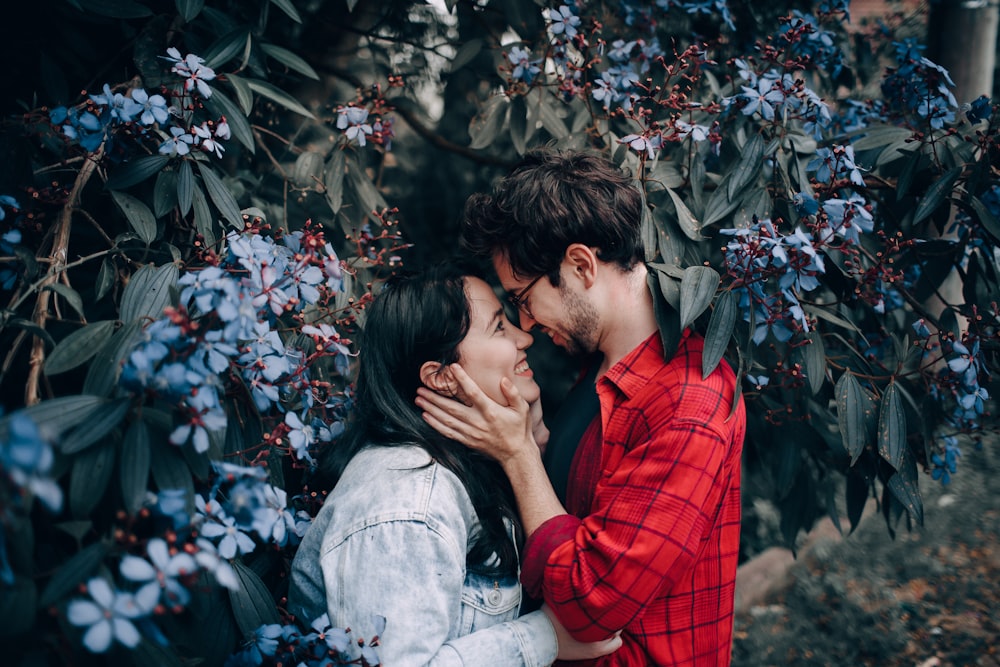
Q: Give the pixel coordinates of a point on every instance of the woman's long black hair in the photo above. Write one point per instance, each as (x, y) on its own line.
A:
(414, 319)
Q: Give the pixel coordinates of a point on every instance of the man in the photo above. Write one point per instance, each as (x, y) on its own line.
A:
(651, 546)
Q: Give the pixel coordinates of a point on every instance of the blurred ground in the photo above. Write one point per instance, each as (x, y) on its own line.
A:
(929, 598)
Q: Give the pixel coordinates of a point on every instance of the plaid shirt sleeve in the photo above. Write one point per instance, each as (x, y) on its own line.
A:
(670, 443)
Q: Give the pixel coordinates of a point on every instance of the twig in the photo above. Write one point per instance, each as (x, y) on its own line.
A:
(58, 264)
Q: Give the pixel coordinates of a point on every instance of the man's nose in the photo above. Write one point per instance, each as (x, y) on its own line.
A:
(525, 321)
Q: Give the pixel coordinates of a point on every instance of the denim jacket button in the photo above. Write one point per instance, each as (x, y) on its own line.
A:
(494, 597)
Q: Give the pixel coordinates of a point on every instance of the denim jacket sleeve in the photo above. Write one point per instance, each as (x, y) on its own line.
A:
(408, 565)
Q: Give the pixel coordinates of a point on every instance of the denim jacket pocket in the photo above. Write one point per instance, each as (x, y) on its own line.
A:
(488, 600)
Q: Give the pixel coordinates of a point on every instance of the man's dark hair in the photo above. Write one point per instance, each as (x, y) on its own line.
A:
(417, 318)
(550, 200)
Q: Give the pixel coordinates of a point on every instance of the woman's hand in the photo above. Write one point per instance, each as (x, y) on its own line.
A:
(571, 649)
(503, 432)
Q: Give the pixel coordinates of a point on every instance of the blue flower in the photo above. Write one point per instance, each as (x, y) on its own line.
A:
(979, 109)
(231, 540)
(178, 144)
(108, 616)
(154, 107)
(26, 456)
(945, 463)
(193, 68)
(354, 122)
(162, 573)
(563, 22)
(524, 68)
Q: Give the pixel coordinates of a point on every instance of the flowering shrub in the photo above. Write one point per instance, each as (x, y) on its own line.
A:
(186, 255)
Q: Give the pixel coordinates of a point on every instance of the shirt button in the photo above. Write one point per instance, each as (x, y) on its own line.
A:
(494, 597)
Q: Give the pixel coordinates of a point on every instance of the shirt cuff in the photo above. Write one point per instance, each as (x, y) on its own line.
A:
(554, 532)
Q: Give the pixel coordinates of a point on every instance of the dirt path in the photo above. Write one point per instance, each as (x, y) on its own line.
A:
(930, 598)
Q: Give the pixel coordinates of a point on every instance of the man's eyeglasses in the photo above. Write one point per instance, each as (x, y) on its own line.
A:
(518, 300)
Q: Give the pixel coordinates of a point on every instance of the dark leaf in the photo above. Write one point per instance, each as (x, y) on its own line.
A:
(851, 406)
(140, 218)
(547, 114)
(465, 54)
(333, 179)
(290, 60)
(289, 9)
(98, 424)
(185, 187)
(68, 293)
(891, 427)
(134, 466)
(720, 330)
(221, 196)
(227, 47)
(986, 218)
(307, 170)
(787, 458)
(105, 279)
(518, 122)
(189, 9)
(486, 125)
(165, 193)
(685, 219)
(220, 105)
(18, 605)
(746, 169)
(78, 347)
(697, 291)
(89, 479)
(814, 355)
(880, 135)
(667, 318)
(116, 9)
(856, 494)
(252, 603)
(33, 328)
(204, 221)
(169, 469)
(102, 376)
(59, 415)
(936, 193)
(136, 171)
(244, 96)
(904, 485)
(148, 292)
(719, 206)
(73, 572)
(368, 196)
(279, 97)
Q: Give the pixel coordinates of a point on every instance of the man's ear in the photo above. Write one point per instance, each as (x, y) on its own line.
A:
(581, 261)
(438, 377)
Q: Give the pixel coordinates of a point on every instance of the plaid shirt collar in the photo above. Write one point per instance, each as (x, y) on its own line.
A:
(633, 371)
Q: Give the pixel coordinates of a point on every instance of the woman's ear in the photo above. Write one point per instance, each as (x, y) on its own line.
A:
(438, 377)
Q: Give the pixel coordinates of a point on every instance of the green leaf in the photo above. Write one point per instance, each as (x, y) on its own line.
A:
(936, 194)
(244, 96)
(518, 122)
(904, 485)
(720, 330)
(185, 187)
(290, 60)
(220, 105)
(307, 170)
(815, 361)
(98, 424)
(824, 314)
(89, 479)
(78, 347)
(891, 427)
(136, 171)
(667, 317)
(148, 292)
(170, 471)
(189, 9)
(788, 457)
(851, 406)
(58, 415)
(252, 603)
(204, 223)
(227, 47)
(881, 135)
(465, 54)
(333, 179)
(546, 111)
(105, 279)
(289, 9)
(73, 572)
(33, 328)
(279, 96)
(719, 206)
(71, 295)
(18, 606)
(368, 196)
(102, 376)
(134, 466)
(751, 159)
(140, 218)
(986, 218)
(685, 218)
(165, 193)
(856, 495)
(486, 125)
(221, 197)
(697, 291)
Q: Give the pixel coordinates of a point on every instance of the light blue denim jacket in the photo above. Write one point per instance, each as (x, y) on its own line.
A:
(391, 540)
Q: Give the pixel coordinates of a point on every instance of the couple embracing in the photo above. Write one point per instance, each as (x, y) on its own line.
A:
(445, 517)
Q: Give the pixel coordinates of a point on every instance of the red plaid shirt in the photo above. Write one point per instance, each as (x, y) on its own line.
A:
(655, 547)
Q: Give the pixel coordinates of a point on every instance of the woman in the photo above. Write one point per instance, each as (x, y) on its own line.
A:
(418, 528)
